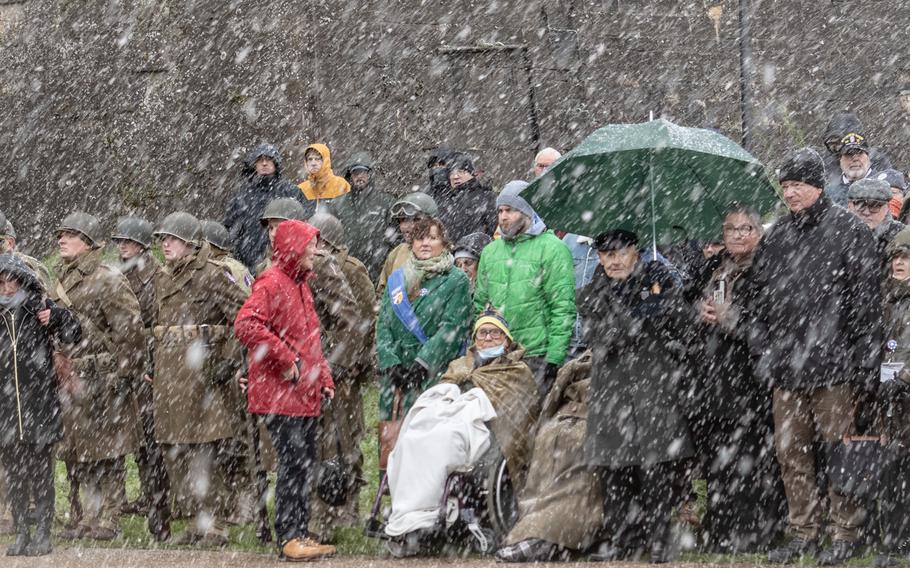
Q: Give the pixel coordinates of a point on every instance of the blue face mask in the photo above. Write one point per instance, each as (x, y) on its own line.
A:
(491, 352)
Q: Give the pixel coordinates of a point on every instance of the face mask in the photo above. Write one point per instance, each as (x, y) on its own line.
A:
(492, 352)
(13, 300)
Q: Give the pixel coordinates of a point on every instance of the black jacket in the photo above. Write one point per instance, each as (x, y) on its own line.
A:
(813, 302)
(368, 231)
(245, 208)
(635, 413)
(469, 208)
(29, 405)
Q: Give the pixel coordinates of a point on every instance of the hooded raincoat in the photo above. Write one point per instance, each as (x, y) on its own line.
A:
(324, 186)
(279, 327)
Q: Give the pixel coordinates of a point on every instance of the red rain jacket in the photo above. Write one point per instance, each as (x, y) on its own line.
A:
(279, 326)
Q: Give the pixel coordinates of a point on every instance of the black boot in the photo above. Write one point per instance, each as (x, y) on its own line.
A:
(19, 547)
(41, 544)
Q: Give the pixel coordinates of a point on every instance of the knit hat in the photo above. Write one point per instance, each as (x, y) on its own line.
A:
(804, 165)
(493, 317)
(510, 197)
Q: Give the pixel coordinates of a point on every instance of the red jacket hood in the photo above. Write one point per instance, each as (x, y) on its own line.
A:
(291, 240)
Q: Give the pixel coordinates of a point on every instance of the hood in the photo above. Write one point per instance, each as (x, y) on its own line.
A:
(358, 159)
(900, 243)
(267, 150)
(440, 154)
(841, 124)
(11, 264)
(326, 171)
(291, 240)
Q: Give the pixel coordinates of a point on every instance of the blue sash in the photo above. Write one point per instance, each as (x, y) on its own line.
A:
(398, 297)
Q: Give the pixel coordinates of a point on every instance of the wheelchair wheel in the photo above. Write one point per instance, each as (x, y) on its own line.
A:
(502, 506)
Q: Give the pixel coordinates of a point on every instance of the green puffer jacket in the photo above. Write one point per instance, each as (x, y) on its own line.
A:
(531, 281)
(444, 312)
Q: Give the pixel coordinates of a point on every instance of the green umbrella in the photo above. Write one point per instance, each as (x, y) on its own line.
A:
(657, 179)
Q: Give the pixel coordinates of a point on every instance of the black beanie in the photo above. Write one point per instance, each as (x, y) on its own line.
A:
(805, 166)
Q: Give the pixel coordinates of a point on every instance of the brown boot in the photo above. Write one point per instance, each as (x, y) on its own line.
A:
(103, 533)
(74, 533)
(305, 549)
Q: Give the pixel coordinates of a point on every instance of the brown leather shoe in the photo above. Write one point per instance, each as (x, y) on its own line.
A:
(304, 550)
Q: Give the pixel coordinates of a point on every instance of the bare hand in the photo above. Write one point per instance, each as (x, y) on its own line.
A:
(292, 373)
(148, 378)
(707, 312)
(328, 393)
(44, 316)
(244, 383)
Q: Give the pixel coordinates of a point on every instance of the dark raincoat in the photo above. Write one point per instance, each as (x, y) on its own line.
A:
(635, 413)
(468, 208)
(29, 407)
(246, 207)
(812, 301)
(840, 125)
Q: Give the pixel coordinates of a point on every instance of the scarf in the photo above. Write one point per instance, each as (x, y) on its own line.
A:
(416, 270)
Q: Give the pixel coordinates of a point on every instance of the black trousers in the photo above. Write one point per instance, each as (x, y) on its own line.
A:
(30, 478)
(294, 438)
(639, 502)
(150, 462)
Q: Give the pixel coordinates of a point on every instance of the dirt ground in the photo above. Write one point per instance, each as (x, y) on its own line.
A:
(124, 558)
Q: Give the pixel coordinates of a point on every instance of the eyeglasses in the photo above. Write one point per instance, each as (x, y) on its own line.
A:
(740, 231)
(490, 334)
(871, 206)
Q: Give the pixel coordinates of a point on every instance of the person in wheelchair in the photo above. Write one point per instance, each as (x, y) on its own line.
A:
(464, 447)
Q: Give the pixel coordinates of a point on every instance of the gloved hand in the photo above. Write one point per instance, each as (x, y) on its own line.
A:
(414, 376)
(396, 376)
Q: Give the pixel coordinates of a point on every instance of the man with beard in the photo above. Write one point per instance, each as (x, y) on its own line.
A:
(262, 182)
(528, 277)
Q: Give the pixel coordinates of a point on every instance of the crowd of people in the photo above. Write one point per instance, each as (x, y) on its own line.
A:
(611, 375)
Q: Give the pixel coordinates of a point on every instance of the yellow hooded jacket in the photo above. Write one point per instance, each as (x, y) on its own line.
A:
(324, 184)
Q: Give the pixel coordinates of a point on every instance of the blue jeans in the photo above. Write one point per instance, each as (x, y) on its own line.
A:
(294, 438)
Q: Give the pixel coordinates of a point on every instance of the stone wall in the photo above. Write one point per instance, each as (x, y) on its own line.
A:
(145, 106)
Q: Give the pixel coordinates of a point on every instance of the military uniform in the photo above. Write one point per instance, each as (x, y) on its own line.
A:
(195, 398)
(346, 304)
(100, 424)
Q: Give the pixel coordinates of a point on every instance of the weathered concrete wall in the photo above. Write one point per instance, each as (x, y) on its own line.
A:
(145, 106)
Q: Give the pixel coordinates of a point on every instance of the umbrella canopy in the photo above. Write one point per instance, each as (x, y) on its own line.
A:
(656, 178)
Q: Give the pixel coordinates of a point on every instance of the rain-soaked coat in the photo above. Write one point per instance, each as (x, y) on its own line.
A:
(813, 301)
(635, 413)
(364, 213)
(561, 502)
(323, 187)
(509, 384)
(246, 206)
(897, 329)
(29, 406)
(444, 313)
(99, 419)
(468, 208)
(195, 351)
(279, 327)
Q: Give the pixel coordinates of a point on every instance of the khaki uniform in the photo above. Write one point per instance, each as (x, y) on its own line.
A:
(195, 398)
(240, 497)
(100, 423)
(346, 303)
(395, 260)
(38, 267)
(141, 273)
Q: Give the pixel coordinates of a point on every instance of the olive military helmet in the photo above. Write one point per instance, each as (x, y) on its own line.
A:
(183, 226)
(412, 205)
(216, 234)
(84, 224)
(134, 229)
(330, 228)
(285, 208)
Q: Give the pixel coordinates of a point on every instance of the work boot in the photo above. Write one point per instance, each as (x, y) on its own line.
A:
(41, 544)
(792, 551)
(212, 540)
(839, 552)
(74, 533)
(304, 549)
(19, 547)
(188, 538)
(102, 533)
